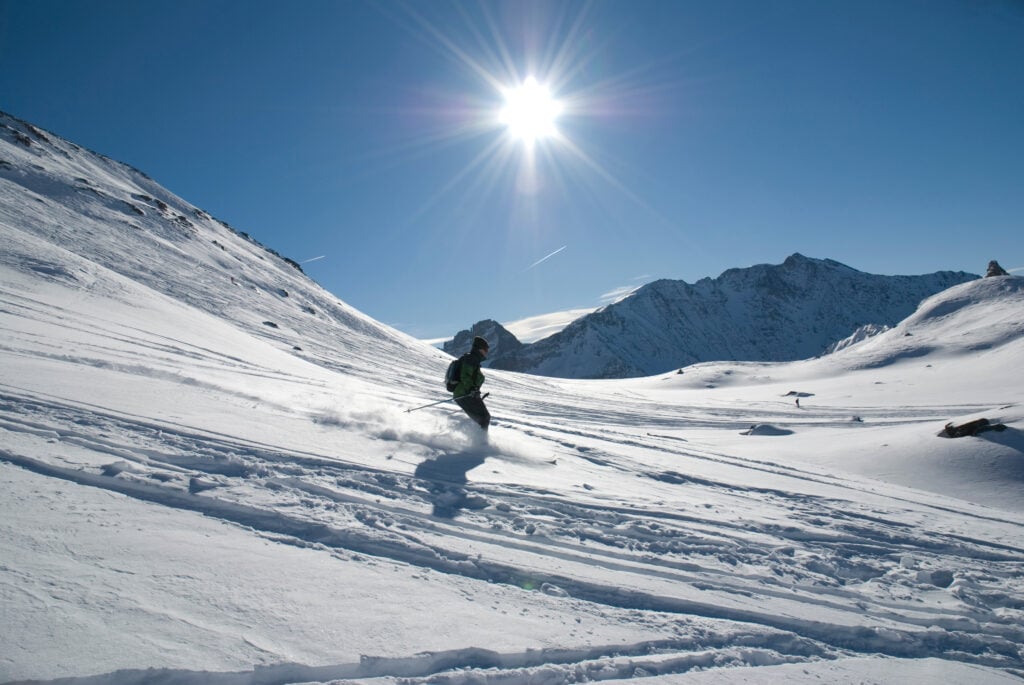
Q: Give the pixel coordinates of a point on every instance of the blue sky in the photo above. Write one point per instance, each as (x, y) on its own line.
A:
(694, 136)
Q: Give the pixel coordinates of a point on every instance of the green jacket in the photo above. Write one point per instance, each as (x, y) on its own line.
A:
(470, 378)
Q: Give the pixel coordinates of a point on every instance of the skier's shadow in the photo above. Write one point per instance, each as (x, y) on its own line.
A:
(446, 478)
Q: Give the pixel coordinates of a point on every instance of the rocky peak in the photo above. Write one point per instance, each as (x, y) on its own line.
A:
(995, 270)
(500, 341)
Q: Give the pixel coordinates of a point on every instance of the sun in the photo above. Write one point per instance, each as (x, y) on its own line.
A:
(539, 89)
(530, 112)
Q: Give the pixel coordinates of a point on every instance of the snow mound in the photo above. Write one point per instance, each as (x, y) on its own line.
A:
(767, 429)
(981, 315)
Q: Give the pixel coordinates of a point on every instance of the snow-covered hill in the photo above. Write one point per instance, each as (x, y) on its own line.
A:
(72, 210)
(762, 313)
(189, 498)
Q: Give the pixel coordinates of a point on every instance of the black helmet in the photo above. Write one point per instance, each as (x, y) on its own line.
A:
(480, 344)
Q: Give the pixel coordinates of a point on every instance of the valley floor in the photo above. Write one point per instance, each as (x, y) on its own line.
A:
(610, 542)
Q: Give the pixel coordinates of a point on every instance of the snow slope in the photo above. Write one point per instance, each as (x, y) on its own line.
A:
(194, 495)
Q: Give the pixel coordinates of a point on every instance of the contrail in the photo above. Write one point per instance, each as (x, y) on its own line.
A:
(314, 259)
(544, 259)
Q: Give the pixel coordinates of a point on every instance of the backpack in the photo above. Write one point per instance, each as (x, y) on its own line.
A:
(453, 375)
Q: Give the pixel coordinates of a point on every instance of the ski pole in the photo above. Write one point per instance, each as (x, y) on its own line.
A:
(450, 399)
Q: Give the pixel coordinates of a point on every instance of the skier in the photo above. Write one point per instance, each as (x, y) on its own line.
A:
(467, 392)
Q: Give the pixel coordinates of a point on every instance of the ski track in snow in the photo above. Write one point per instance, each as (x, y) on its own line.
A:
(811, 545)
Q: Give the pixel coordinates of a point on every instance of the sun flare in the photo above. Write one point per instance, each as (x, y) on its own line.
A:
(530, 112)
(533, 108)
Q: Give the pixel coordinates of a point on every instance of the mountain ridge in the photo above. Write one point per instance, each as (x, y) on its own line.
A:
(765, 312)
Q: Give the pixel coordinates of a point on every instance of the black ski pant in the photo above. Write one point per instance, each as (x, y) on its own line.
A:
(474, 406)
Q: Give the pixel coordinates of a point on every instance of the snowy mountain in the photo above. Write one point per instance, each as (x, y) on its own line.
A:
(210, 475)
(61, 196)
(500, 340)
(763, 313)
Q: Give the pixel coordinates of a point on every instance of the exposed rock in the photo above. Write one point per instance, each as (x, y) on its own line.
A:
(970, 428)
(500, 341)
(995, 270)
